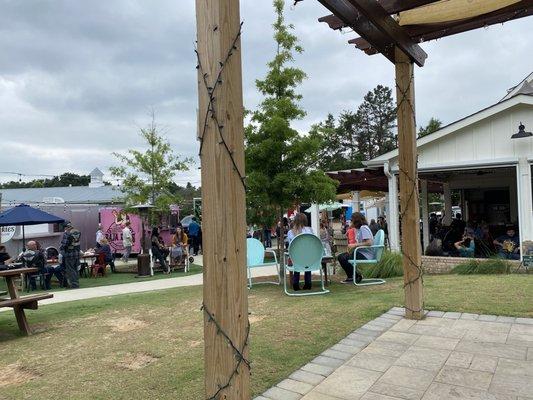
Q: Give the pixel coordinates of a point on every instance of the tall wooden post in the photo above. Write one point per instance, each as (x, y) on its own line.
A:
(410, 213)
(221, 135)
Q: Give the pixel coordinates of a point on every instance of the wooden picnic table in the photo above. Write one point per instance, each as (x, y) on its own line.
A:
(17, 302)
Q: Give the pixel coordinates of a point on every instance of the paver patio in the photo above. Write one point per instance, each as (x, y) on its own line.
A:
(445, 356)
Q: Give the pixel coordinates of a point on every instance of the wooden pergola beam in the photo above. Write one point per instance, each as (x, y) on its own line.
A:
(423, 33)
(357, 21)
(391, 6)
(389, 27)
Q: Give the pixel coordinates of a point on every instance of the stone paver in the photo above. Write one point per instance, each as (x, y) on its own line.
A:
(444, 356)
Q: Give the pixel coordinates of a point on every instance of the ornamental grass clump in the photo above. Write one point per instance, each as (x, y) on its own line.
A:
(490, 266)
(389, 266)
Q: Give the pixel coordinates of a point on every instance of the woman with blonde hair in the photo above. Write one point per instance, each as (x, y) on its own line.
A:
(299, 226)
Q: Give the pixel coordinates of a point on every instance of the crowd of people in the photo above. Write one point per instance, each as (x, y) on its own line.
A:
(462, 239)
(66, 264)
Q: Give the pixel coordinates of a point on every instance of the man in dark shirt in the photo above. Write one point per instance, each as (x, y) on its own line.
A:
(508, 245)
(4, 256)
(194, 234)
(70, 251)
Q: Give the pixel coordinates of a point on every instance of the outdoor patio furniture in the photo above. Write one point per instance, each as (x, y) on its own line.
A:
(99, 266)
(377, 247)
(255, 257)
(20, 303)
(306, 252)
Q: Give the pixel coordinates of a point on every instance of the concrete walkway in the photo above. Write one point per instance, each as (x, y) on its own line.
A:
(445, 356)
(140, 286)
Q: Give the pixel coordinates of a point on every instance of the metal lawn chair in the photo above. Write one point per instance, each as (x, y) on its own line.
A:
(255, 257)
(377, 247)
(305, 252)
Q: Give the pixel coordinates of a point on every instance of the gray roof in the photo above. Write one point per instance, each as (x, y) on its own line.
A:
(71, 194)
(96, 172)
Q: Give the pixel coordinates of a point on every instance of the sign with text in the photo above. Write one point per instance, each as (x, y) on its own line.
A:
(7, 233)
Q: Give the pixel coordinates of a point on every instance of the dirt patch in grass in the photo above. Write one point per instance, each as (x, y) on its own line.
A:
(136, 361)
(255, 318)
(195, 343)
(15, 374)
(125, 324)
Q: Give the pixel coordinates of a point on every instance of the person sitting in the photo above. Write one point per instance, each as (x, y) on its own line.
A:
(5, 258)
(179, 245)
(106, 250)
(364, 238)
(466, 247)
(374, 226)
(300, 226)
(34, 257)
(508, 245)
(157, 250)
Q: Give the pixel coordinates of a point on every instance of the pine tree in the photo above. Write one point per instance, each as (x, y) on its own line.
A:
(279, 161)
(433, 125)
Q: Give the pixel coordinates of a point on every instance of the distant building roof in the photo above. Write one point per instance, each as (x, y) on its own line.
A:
(71, 194)
(96, 172)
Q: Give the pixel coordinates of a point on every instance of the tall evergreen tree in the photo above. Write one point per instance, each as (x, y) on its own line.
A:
(433, 125)
(279, 161)
(377, 116)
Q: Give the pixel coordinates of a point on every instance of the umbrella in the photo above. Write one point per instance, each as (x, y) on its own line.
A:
(329, 207)
(23, 214)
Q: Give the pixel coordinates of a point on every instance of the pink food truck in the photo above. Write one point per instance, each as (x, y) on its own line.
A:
(113, 220)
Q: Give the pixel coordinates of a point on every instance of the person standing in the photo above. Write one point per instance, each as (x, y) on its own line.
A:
(194, 232)
(70, 252)
(127, 241)
(299, 227)
(374, 226)
(99, 235)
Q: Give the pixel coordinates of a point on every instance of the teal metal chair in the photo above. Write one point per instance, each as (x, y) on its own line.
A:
(255, 257)
(377, 247)
(305, 251)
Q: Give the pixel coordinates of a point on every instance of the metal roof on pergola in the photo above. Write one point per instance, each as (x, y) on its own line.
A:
(384, 24)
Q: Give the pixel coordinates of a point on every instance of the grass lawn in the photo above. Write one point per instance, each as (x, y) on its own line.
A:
(122, 276)
(150, 345)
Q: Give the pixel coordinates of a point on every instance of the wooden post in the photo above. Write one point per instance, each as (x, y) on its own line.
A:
(410, 212)
(221, 134)
(425, 212)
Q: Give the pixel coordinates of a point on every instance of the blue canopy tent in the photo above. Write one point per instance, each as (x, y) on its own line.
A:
(23, 214)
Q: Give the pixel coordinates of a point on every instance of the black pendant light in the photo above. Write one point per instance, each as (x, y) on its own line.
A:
(521, 132)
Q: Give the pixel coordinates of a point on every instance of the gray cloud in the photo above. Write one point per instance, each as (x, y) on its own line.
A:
(77, 79)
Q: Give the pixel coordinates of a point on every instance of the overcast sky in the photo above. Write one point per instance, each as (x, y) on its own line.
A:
(78, 78)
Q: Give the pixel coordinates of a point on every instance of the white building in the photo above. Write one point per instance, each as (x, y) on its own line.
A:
(480, 156)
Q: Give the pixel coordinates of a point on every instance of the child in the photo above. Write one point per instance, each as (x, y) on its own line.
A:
(299, 226)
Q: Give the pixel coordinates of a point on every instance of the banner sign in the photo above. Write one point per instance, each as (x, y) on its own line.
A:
(7, 233)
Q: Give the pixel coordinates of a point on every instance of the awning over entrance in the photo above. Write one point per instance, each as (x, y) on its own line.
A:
(369, 179)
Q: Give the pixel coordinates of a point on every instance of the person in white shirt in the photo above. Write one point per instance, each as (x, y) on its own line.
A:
(299, 226)
(99, 235)
(127, 241)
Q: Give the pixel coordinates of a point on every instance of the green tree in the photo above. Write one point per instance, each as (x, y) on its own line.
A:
(147, 175)
(65, 179)
(279, 161)
(433, 125)
(338, 147)
(376, 122)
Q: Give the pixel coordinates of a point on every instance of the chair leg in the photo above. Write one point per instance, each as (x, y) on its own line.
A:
(365, 282)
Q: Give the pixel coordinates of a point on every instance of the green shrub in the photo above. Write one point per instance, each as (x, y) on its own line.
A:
(490, 266)
(389, 266)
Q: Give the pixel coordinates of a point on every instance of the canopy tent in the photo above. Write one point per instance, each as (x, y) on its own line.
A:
(23, 214)
(329, 207)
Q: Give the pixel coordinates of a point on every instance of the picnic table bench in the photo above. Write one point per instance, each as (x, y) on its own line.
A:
(18, 303)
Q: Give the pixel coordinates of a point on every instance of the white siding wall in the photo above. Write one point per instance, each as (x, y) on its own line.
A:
(489, 139)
